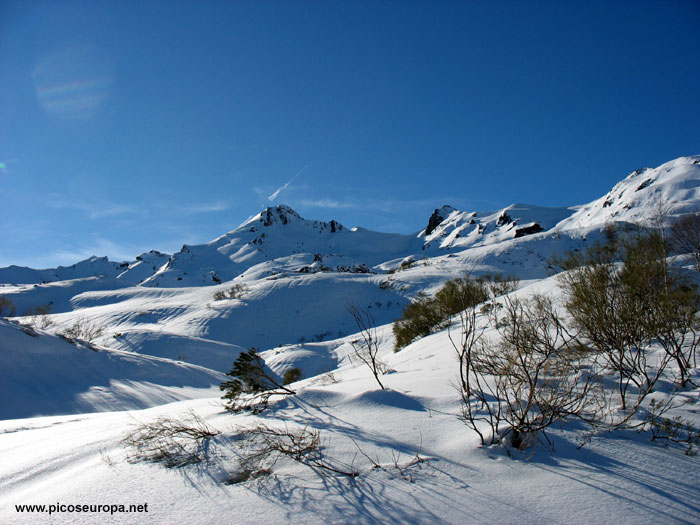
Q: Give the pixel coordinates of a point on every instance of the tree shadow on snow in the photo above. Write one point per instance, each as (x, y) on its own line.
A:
(627, 466)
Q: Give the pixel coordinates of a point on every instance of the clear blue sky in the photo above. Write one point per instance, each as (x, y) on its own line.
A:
(135, 125)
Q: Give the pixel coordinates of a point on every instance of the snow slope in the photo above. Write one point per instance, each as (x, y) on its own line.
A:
(673, 187)
(615, 478)
(41, 374)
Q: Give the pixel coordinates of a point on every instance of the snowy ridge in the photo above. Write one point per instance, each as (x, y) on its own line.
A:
(675, 186)
(91, 267)
(464, 230)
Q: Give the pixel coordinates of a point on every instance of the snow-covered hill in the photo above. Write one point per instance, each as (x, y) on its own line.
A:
(673, 188)
(41, 374)
(416, 462)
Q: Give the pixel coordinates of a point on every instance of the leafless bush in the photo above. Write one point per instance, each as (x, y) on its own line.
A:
(396, 466)
(465, 344)
(83, 330)
(671, 430)
(178, 442)
(329, 378)
(685, 236)
(261, 447)
(366, 349)
(171, 441)
(406, 470)
(236, 291)
(39, 317)
(530, 377)
(676, 327)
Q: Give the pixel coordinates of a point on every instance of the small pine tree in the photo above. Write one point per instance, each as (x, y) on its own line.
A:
(249, 377)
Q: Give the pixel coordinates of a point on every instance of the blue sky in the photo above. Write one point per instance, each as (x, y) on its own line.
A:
(127, 126)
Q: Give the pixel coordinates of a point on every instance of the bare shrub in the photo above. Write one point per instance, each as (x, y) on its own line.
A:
(329, 378)
(83, 330)
(685, 237)
(366, 348)
(530, 377)
(236, 291)
(39, 316)
(676, 326)
(174, 442)
(261, 447)
(396, 466)
(670, 430)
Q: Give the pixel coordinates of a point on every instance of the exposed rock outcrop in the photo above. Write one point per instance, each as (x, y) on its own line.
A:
(439, 215)
(528, 230)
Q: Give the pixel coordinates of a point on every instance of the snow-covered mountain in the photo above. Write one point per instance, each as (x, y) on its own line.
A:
(303, 273)
(168, 326)
(280, 240)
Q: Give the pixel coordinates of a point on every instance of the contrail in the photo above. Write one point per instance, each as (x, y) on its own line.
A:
(277, 192)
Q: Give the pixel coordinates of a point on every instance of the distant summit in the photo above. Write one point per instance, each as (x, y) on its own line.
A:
(282, 214)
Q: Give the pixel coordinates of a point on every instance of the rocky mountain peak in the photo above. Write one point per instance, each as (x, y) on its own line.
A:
(278, 214)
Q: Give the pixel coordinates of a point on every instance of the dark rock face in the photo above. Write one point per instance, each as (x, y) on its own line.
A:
(436, 218)
(277, 213)
(528, 230)
(503, 219)
(336, 226)
(644, 184)
(358, 268)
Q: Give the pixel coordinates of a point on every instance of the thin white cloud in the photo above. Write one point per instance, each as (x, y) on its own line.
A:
(352, 203)
(327, 203)
(284, 187)
(110, 211)
(94, 209)
(374, 204)
(210, 207)
(97, 247)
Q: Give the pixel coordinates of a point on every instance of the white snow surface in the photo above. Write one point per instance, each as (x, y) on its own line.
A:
(42, 374)
(167, 341)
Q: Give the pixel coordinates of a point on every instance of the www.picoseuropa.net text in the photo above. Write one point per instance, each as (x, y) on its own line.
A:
(56, 508)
